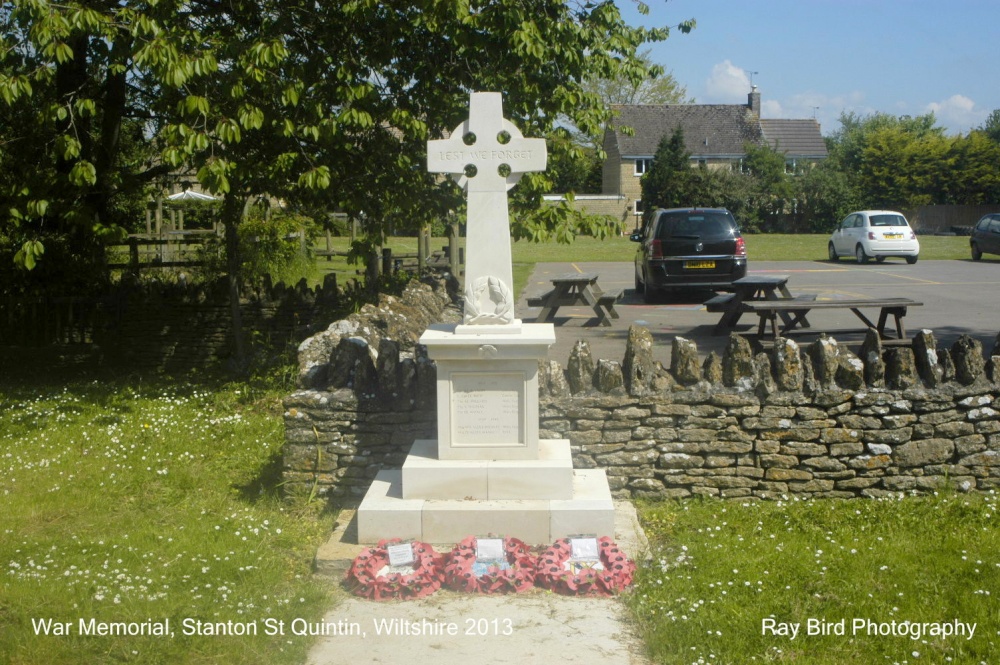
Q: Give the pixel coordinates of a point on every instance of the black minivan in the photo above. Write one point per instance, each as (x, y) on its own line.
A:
(985, 236)
(689, 248)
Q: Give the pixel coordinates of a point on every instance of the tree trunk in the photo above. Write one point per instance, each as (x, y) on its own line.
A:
(232, 215)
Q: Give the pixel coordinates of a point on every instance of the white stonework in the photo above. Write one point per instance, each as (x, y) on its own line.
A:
(487, 391)
(487, 155)
(487, 472)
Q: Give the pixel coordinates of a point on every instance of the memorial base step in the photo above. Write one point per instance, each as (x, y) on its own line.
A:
(384, 513)
(548, 477)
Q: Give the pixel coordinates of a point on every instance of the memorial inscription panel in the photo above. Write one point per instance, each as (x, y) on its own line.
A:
(487, 408)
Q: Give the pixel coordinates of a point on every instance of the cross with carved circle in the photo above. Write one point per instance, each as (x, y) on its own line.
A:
(487, 152)
(487, 155)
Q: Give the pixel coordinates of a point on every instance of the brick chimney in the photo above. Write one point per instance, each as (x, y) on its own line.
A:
(753, 101)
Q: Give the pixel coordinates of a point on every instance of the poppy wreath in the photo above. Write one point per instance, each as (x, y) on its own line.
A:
(363, 578)
(459, 574)
(617, 573)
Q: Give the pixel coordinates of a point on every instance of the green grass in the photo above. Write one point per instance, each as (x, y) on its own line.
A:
(760, 247)
(127, 502)
(795, 247)
(719, 569)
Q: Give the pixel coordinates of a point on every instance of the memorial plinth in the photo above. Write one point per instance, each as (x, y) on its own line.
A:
(487, 390)
(487, 472)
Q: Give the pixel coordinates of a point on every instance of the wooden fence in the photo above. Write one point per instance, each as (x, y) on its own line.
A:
(173, 249)
(51, 320)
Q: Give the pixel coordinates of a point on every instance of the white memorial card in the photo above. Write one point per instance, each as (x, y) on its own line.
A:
(400, 554)
(489, 549)
(584, 548)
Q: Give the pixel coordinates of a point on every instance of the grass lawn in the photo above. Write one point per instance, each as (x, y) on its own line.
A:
(760, 247)
(126, 502)
(726, 575)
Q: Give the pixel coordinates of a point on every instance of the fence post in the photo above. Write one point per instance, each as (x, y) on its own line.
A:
(133, 255)
(453, 249)
(421, 251)
(371, 272)
(386, 260)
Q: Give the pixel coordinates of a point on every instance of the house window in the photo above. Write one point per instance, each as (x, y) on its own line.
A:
(642, 165)
(638, 208)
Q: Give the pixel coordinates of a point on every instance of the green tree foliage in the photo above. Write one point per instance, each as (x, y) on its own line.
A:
(991, 128)
(901, 169)
(273, 244)
(824, 197)
(72, 152)
(849, 142)
(573, 167)
(975, 176)
(667, 181)
(671, 182)
(903, 162)
(656, 86)
(293, 98)
(771, 188)
(323, 103)
(726, 188)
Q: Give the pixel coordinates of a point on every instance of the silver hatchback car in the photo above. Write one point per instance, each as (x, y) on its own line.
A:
(877, 234)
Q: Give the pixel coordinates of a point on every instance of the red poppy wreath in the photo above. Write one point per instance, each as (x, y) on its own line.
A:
(514, 573)
(610, 574)
(371, 576)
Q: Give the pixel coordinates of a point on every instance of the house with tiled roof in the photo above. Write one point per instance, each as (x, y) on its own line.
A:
(715, 135)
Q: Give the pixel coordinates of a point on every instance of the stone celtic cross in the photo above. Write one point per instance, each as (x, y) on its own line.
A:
(487, 154)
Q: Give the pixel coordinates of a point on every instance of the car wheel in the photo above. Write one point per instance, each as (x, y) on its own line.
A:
(879, 259)
(859, 254)
(832, 252)
(911, 259)
(976, 252)
(648, 295)
(640, 286)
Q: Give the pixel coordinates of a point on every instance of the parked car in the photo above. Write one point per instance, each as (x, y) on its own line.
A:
(877, 234)
(689, 248)
(986, 236)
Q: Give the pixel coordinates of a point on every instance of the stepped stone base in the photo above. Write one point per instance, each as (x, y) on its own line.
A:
(549, 477)
(384, 513)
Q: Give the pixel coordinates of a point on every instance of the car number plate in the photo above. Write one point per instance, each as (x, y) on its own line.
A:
(893, 236)
(699, 264)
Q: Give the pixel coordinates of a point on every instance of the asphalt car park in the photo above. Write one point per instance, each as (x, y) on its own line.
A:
(959, 297)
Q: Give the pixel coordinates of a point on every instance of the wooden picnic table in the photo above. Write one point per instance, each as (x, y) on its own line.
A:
(796, 308)
(747, 289)
(577, 289)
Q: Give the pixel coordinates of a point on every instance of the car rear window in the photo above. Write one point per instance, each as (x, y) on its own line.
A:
(887, 220)
(704, 225)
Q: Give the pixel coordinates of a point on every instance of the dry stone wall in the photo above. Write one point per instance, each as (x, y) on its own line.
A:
(815, 420)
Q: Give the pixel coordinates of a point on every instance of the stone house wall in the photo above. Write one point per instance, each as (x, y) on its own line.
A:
(815, 420)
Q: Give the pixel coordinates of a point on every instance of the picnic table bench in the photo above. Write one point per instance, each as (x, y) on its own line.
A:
(751, 288)
(795, 310)
(575, 290)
